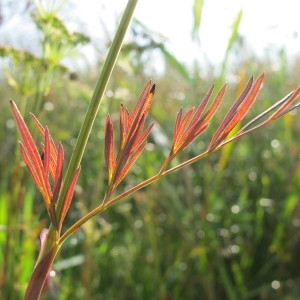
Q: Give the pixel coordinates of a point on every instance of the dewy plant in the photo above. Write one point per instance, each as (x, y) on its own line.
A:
(57, 188)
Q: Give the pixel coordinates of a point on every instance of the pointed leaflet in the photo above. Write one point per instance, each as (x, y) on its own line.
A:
(137, 137)
(32, 169)
(53, 149)
(142, 138)
(234, 107)
(31, 156)
(46, 162)
(186, 130)
(201, 107)
(132, 139)
(68, 198)
(46, 155)
(237, 112)
(132, 149)
(191, 134)
(58, 173)
(131, 126)
(180, 124)
(245, 106)
(177, 123)
(124, 125)
(135, 122)
(210, 113)
(40, 170)
(42, 131)
(125, 169)
(283, 109)
(142, 108)
(29, 145)
(109, 148)
(144, 103)
(231, 111)
(129, 122)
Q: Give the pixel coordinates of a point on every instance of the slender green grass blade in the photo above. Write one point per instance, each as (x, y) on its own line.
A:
(96, 99)
(197, 15)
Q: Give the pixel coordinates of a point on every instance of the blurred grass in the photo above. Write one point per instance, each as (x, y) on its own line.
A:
(226, 227)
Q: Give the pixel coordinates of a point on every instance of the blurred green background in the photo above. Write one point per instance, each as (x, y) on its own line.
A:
(226, 227)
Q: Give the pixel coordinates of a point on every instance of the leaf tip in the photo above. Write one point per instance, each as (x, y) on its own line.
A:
(152, 90)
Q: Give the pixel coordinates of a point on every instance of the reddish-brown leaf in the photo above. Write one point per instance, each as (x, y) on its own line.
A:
(189, 127)
(68, 198)
(58, 173)
(40, 168)
(236, 112)
(144, 103)
(124, 125)
(46, 161)
(37, 179)
(177, 123)
(210, 113)
(192, 133)
(141, 110)
(245, 106)
(189, 136)
(284, 107)
(53, 149)
(28, 142)
(142, 138)
(201, 107)
(125, 169)
(182, 126)
(132, 139)
(109, 148)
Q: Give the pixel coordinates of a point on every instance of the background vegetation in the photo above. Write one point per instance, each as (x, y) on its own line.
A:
(226, 227)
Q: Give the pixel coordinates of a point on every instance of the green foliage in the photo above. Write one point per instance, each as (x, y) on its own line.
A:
(226, 227)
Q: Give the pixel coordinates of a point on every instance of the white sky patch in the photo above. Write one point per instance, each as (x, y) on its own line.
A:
(266, 24)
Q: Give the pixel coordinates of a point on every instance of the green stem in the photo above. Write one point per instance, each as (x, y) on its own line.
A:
(96, 100)
(80, 222)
